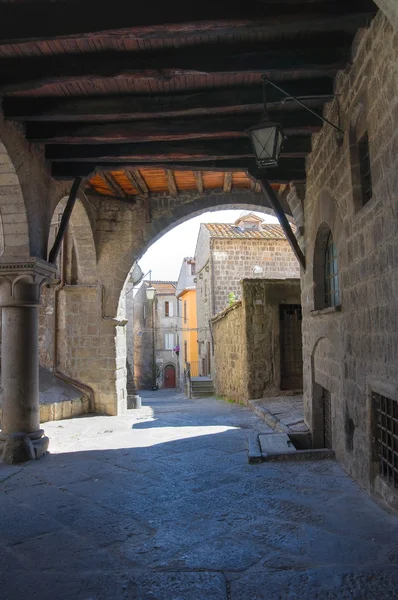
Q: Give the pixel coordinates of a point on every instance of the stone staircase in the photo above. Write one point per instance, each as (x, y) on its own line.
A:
(201, 387)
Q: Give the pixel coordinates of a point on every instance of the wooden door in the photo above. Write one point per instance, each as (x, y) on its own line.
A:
(169, 377)
(291, 347)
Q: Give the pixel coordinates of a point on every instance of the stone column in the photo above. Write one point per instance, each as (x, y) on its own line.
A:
(21, 438)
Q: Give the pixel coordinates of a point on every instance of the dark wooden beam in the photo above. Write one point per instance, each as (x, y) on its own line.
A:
(283, 174)
(171, 182)
(43, 20)
(318, 54)
(227, 182)
(134, 176)
(294, 122)
(293, 147)
(199, 181)
(129, 107)
(272, 198)
(63, 226)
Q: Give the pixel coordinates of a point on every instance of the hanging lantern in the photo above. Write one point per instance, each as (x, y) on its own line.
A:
(266, 138)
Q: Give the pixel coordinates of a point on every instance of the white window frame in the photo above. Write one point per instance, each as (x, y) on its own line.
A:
(168, 341)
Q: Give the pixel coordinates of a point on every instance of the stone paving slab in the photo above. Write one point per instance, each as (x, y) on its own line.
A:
(161, 504)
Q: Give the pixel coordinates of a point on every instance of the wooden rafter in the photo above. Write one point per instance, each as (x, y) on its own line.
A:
(127, 107)
(171, 182)
(294, 147)
(113, 185)
(322, 55)
(298, 122)
(227, 182)
(134, 176)
(43, 20)
(199, 181)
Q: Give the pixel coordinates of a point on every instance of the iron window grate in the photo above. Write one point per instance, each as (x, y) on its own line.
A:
(387, 437)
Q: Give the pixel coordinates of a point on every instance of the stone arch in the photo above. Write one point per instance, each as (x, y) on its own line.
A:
(327, 360)
(14, 230)
(82, 251)
(165, 220)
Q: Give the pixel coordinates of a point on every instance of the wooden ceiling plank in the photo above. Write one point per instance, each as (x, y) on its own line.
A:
(227, 182)
(113, 185)
(171, 183)
(294, 122)
(126, 107)
(316, 55)
(42, 20)
(199, 181)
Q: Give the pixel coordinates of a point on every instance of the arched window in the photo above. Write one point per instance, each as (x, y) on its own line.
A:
(332, 296)
(326, 275)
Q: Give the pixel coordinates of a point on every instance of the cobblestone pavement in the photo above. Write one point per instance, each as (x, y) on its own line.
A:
(163, 505)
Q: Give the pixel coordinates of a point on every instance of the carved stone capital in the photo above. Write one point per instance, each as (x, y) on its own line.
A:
(21, 281)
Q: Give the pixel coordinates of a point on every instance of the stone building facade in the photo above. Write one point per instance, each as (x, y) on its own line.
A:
(155, 336)
(227, 253)
(187, 319)
(350, 339)
(257, 341)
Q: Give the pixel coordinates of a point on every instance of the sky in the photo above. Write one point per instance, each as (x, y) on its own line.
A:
(165, 256)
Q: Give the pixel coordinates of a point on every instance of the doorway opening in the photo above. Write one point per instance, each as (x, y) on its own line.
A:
(291, 353)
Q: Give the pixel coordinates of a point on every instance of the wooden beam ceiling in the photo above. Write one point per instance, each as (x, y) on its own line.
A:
(316, 54)
(171, 85)
(294, 171)
(133, 107)
(43, 20)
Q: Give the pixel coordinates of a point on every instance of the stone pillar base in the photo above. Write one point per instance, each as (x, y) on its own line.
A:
(21, 447)
(133, 401)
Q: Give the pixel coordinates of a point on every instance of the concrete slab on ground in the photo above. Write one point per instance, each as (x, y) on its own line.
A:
(162, 504)
(283, 413)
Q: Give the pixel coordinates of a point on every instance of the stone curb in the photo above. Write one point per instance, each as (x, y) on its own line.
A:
(310, 454)
(254, 451)
(268, 417)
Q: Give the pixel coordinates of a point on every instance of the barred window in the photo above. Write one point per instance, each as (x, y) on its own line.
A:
(332, 296)
(386, 437)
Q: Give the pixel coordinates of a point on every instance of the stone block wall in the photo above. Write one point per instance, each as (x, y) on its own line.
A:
(246, 340)
(353, 352)
(230, 353)
(234, 260)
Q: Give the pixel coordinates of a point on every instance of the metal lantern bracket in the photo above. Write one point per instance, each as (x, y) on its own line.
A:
(267, 81)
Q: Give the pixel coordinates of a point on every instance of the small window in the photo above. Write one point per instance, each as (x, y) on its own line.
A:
(364, 168)
(193, 269)
(361, 175)
(332, 296)
(185, 311)
(185, 352)
(169, 341)
(386, 437)
(166, 309)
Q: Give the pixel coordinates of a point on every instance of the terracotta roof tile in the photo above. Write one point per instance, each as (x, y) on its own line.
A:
(227, 230)
(164, 287)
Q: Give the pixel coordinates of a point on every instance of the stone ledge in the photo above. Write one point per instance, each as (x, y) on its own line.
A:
(326, 311)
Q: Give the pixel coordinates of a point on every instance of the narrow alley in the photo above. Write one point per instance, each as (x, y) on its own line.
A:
(162, 504)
